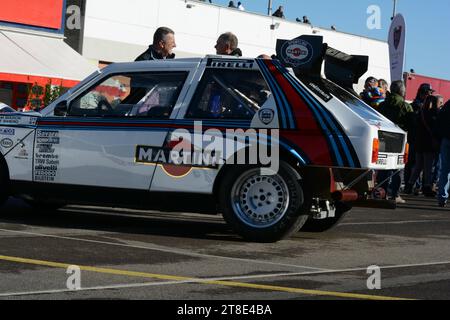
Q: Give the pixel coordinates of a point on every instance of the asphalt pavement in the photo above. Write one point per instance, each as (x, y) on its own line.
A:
(112, 253)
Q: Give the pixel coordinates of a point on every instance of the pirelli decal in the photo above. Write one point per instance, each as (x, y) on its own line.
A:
(230, 64)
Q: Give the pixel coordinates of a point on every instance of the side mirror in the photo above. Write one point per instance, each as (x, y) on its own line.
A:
(61, 109)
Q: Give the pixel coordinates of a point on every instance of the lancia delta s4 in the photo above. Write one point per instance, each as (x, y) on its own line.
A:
(268, 143)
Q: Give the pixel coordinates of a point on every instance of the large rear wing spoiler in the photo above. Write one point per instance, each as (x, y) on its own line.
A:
(343, 69)
(306, 55)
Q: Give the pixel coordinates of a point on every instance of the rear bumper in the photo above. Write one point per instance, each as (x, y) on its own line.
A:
(389, 161)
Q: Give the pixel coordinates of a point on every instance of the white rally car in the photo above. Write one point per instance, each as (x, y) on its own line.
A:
(180, 135)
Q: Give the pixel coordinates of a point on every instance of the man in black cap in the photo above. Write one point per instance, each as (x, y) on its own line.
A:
(425, 90)
(163, 44)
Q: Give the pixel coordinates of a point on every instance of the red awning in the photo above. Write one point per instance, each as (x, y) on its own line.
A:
(35, 79)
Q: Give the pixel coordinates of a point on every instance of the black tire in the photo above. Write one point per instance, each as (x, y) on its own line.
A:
(289, 200)
(313, 225)
(4, 183)
(44, 207)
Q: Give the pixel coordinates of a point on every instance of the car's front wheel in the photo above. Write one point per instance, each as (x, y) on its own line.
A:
(263, 208)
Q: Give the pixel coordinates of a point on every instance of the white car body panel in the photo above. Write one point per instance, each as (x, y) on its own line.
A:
(106, 158)
(198, 180)
(21, 155)
(16, 144)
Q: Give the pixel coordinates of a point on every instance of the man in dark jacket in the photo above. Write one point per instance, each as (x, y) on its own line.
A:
(424, 91)
(163, 44)
(427, 145)
(444, 130)
(396, 109)
(279, 13)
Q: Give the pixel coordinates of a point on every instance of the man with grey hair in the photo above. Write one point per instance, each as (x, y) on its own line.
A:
(163, 44)
(396, 109)
(227, 45)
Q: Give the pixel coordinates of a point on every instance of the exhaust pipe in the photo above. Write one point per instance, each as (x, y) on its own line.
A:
(345, 196)
(351, 196)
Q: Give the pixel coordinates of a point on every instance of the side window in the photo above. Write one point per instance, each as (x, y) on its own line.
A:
(229, 94)
(151, 95)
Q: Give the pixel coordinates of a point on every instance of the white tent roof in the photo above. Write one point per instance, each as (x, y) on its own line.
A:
(41, 55)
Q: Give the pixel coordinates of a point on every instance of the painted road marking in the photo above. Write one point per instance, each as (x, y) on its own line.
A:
(166, 250)
(99, 288)
(315, 271)
(253, 277)
(181, 279)
(392, 222)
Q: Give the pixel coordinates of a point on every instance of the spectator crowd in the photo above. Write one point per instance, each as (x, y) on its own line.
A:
(279, 13)
(427, 122)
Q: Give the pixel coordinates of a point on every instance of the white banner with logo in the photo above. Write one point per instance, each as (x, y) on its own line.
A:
(397, 42)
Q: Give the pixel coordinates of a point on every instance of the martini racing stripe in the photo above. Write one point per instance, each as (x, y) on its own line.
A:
(346, 154)
(159, 125)
(116, 124)
(287, 121)
(339, 135)
(351, 157)
(308, 123)
(288, 146)
(132, 120)
(327, 132)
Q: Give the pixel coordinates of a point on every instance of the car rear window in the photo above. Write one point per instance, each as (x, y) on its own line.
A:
(355, 104)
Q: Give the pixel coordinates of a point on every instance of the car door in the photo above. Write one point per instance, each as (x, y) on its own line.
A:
(227, 102)
(97, 143)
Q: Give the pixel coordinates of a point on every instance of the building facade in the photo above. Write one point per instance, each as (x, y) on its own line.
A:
(413, 82)
(118, 31)
(59, 42)
(34, 59)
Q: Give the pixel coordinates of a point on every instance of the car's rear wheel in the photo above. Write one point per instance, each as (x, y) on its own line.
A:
(263, 208)
(313, 225)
